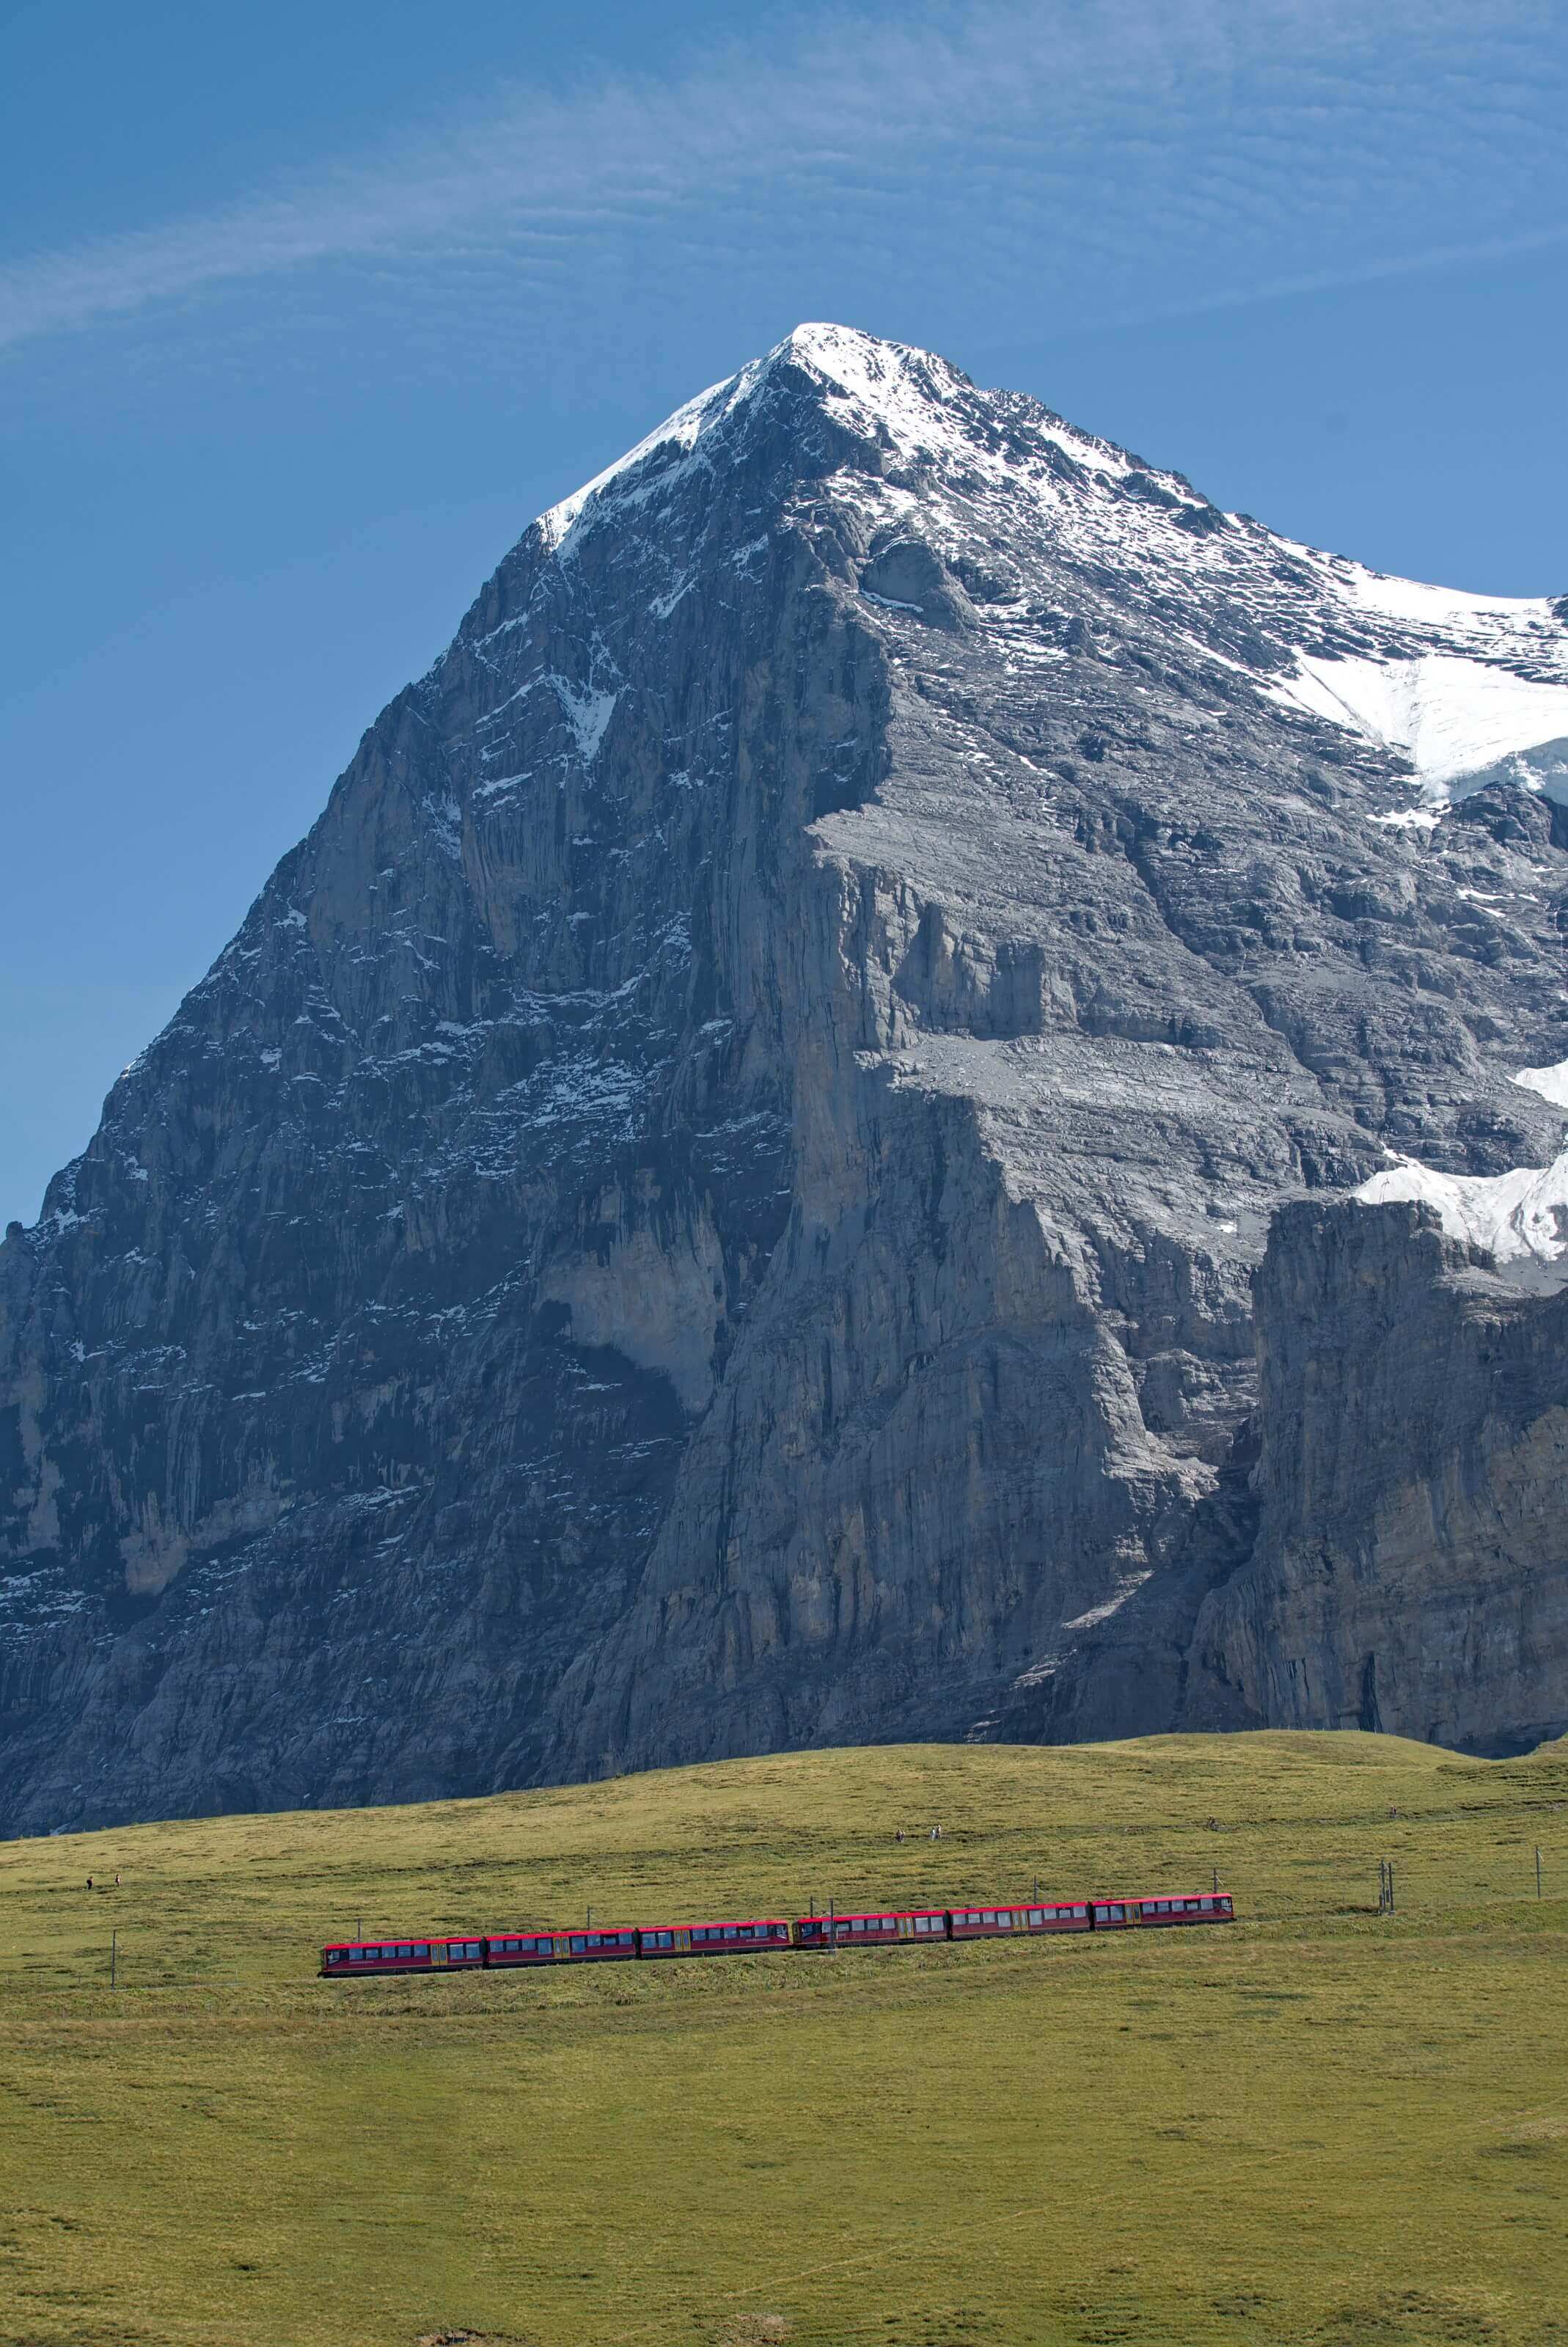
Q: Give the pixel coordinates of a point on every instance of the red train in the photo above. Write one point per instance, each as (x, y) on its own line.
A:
(915, 1927)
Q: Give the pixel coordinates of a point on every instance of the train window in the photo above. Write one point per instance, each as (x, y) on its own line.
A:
(578, 1944)
(1036, 1916)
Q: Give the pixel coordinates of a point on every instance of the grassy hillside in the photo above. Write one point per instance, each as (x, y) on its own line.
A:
(1320, 2128)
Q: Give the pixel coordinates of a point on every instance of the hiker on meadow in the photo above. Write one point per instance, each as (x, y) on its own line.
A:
(89, 1882)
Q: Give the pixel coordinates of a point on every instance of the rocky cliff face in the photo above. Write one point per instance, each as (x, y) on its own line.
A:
(712, 1203)
(1409, 1572)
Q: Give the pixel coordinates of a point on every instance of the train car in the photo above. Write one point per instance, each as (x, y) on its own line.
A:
(1131, 1915)
(520, 1948)
(587, 1947)
(1034, 1916)
(904, 1928)
(748, 1939)
(353, 1959)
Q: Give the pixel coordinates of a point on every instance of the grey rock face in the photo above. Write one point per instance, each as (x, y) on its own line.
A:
(1408, 1572)
(711, 1203)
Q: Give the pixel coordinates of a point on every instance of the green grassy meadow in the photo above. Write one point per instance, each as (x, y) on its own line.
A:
(1319, 2127)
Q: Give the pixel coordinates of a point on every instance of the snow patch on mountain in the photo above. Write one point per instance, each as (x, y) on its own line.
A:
(1552, 1084)
(588, 714)
(1456, 720)
(1515, 1216)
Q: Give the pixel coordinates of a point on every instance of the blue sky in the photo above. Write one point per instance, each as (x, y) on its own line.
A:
(305, 312)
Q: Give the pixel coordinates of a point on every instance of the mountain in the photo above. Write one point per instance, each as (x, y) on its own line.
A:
(716, 1202)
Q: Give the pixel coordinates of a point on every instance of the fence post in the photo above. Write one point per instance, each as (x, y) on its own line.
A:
(1537, 1871)
(114, 1960)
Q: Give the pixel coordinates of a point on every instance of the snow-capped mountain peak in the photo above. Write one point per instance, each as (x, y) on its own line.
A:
(1467, 688)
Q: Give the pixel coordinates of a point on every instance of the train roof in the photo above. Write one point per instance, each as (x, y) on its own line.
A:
(1138, 1898)
(721, 1923)
(413, 1939)
(869, 1914)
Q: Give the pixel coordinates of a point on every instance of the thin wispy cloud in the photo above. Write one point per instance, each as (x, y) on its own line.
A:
(1102, 161)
